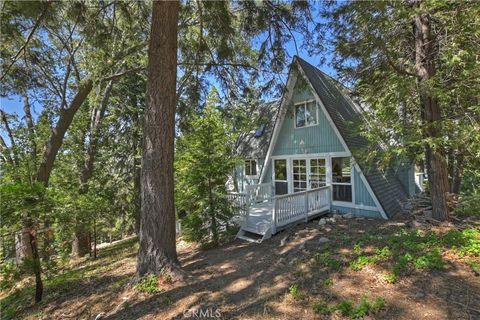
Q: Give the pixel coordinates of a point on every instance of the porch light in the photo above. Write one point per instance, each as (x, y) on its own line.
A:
(302, 145)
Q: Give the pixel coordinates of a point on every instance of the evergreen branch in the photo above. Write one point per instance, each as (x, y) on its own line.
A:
(29, 37)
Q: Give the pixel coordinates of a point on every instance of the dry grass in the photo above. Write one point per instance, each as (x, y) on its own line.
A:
(251, 281)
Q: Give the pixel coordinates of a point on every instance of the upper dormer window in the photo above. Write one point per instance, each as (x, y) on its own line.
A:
(305, 114)
(250, 167)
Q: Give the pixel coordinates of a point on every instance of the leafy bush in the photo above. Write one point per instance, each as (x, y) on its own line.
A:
(321, 307)
(324, 259)
(429, 260)
(347, 309)
(148, 284)
(10, 275)
(296, 293)
(361, 262)
(469, 205)
(328, 282)
(390, 277)
(475, 267)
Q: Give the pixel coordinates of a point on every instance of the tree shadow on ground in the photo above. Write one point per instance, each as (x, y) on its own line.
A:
(244, 280)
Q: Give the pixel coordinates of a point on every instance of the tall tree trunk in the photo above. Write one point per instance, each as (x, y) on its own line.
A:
(136, 146)
(37, 268)
(425, 67)
(31, 131)
(58, 133)
(157, 222)
(80, 246)
(213, 218)
(23, 248)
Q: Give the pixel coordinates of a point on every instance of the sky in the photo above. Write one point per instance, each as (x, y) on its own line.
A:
(14, 104)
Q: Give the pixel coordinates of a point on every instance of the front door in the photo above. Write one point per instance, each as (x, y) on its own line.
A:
(308, 173)
(280, 176)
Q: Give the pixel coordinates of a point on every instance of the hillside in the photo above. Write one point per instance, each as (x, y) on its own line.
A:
(343, 269)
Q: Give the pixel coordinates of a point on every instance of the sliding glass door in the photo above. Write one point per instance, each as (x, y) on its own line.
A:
(299, 177)
(318, 173)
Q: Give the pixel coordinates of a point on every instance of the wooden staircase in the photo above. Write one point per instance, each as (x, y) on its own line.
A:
(252, 235)
(261, 215)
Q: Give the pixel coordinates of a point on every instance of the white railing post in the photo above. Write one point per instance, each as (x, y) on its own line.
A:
(306, 206)
(274, 210)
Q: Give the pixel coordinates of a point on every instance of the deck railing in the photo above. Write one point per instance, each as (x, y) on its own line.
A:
(286, 208)
(240, 203)
(259, 192)
(298, 206)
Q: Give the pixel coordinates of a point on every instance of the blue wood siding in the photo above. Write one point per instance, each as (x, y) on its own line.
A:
(243, 180)
(319, 138)
(405, 173)
(362, 196)
(268, 173)
(358, 212)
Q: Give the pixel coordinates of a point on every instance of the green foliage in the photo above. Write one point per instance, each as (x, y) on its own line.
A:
(418, 250)
(321, 307)
(296, 293)
(204, 161)
(324, 259)
(148, 284)
(390, 277)
(475, 266)
(469, 205)
(361, 262)
(347, 309)
(429, 260)
(374, 51)
(11, 273)
(22, 203)
(328, 282)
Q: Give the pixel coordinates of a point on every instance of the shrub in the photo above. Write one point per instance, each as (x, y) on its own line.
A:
(296, 293)
(347, 309)
(324, 259)
(390, 277)
(321, 307)
(469, 205)
(328, 282)
(362, 261)
(148, 284)
(429, 260)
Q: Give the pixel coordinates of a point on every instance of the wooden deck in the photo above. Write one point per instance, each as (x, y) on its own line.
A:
(260, 213)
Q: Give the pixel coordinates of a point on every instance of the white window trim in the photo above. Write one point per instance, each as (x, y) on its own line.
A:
(295, 113)
(345, 183)
(256, 169)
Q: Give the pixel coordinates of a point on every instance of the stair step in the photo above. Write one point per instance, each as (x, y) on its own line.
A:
(252, 230)
(250, 239)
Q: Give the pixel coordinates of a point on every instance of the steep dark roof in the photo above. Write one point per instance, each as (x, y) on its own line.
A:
(254, 144)
(344, 113)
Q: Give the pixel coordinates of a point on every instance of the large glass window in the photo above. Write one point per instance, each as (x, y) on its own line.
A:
(318, 173)
(342, 179)
(280, 176)
(299, 167)
(250, 167)
(305, 114)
